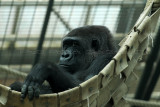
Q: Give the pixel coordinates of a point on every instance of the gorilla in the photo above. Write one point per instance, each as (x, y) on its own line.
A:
(85, 52)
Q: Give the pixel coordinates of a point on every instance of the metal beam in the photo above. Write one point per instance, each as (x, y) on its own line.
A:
(70, 3)
(16, 19)
(53, 56)
(87, 15)
(44, 29)
(30, 39)
(62, 20)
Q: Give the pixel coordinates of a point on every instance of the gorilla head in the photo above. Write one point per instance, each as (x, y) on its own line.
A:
(82, 45)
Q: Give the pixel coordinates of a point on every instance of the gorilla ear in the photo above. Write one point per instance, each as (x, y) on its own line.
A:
(95, 44)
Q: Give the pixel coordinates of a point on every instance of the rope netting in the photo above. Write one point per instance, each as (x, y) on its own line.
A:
(110, 85)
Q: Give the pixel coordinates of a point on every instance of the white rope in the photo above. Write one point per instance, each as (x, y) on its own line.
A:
(97, 92)
(151, 39)
(88, 101)
(120, 76)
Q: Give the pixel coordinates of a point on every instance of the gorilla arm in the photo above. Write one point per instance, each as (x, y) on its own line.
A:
(58, 79)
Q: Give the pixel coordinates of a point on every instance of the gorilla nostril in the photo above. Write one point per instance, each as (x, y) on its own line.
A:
(63, 55)
(66, 56)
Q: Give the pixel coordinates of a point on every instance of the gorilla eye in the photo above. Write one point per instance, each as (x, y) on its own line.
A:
(95, 44)
(64, 46)
(75, 43)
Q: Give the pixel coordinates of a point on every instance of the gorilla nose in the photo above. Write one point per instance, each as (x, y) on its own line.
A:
(67, 55)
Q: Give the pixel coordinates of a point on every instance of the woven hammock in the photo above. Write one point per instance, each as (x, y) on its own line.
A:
(108, 87)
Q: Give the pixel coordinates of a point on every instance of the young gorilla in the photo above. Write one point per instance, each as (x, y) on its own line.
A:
(85, 52)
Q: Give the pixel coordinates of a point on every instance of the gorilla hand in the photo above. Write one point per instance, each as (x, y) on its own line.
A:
(33, 81)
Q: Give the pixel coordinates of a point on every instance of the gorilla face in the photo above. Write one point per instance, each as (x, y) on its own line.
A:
(77, 53)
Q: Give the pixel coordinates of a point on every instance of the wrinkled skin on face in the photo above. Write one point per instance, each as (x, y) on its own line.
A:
(85, 52)
(76, 54)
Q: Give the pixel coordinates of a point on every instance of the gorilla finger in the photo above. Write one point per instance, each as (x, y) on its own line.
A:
(37, 90)
(31, 91)
(24, 88)
(24, 91)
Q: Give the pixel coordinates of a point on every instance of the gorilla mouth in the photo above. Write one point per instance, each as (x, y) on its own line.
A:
(64, 65)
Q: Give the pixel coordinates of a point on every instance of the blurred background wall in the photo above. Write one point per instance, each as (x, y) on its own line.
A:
(22, 23)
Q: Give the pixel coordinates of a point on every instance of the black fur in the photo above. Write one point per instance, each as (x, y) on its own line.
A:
(85, 52)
